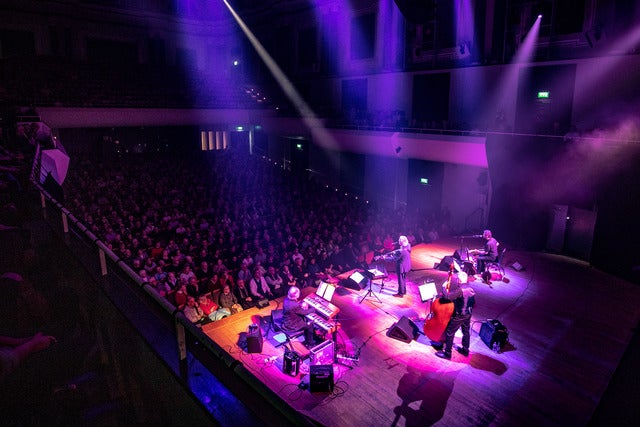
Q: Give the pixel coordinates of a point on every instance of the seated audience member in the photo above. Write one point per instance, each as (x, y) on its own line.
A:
(293, 315)
(187, 273)
(204, 275)
(193, 312)
(219, 267)
(226, 299)
(225, 279)
(314, 273)
(275, 282)
(206, 304)
(160, 275)
(259, 288)
(161, 287)
(193, 288)
(299, 273)
(180, 296)
(172, 281)
(287, 276)
(243, 295)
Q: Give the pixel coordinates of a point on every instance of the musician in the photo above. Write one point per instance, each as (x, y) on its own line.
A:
(463, 297)
(403, 265)
(489, 253)
(293, 315)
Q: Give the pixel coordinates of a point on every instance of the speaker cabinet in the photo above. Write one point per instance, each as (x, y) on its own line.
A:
(494, 334)
(356, 281)
(321, 378)
(445, 264)
(254, 340)
(403, 330)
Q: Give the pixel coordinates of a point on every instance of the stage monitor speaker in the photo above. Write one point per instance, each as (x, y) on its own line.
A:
(446, 262)
(254, 339)
(494, 334)
(263, 303)
(321, 378)
(403, 330)
(356, 281)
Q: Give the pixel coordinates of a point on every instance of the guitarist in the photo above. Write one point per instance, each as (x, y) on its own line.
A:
(463, 297)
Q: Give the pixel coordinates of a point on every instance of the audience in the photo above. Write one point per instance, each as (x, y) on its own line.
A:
(235, 218)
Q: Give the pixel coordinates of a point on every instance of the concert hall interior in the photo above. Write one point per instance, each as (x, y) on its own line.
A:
(188, 188)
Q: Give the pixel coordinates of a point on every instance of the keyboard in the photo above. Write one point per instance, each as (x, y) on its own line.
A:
(324, 324)
(322, 306)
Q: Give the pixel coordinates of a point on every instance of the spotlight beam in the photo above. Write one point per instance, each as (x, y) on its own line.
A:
(307, 114)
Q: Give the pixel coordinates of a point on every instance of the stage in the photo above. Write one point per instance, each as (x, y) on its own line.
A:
(557, 364)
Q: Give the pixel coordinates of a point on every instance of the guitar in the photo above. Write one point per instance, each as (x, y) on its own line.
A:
(440, 313)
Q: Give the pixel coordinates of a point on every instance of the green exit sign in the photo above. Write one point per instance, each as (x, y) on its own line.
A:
(543, 95)
(424, 181)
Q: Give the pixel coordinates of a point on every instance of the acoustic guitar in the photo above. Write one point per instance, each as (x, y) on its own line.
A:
(440, 313)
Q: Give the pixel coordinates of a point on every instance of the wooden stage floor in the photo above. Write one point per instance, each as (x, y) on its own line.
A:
(561, 355)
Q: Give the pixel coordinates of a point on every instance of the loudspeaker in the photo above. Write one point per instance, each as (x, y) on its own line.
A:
(357, 281)
(254, 340)
(446, 262)
(291, 363)
(321, 378)
(403, 330)
(494, 334)
(263, 303)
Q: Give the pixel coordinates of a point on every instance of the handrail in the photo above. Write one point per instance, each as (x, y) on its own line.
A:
(243, 377)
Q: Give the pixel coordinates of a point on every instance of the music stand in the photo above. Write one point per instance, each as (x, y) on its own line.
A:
(369, 293)
(378, 271)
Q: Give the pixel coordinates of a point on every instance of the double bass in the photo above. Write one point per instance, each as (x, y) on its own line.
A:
(440, 313)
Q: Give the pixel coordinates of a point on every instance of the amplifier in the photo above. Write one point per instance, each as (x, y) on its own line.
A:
(321, 378)
(322, 354)
(254, 339)
(291, 363)
(494, 334)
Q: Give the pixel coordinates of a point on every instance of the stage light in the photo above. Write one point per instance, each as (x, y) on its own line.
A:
(539, 16)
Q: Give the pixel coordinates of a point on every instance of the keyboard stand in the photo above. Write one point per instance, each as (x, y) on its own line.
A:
(334, 337)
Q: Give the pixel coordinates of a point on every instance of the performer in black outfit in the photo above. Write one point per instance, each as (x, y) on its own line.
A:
(463, 297)
(489, 253)
(293, 315)
(403, 265)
